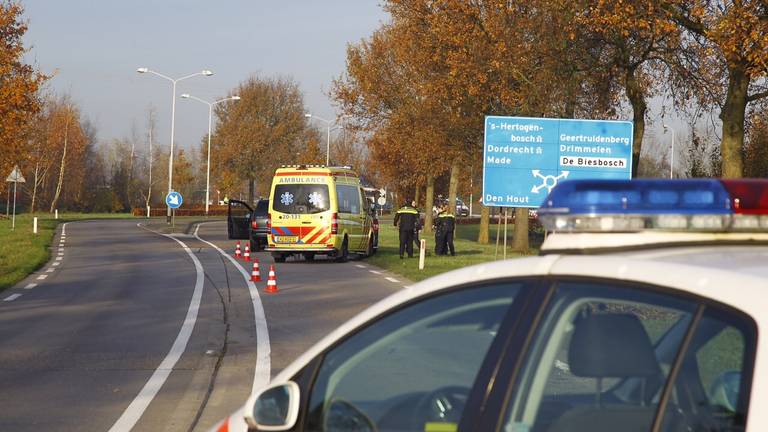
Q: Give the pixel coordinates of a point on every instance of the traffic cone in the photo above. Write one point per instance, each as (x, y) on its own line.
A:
(237, 250)
(247, 254)
(272, 281)
(255, 275)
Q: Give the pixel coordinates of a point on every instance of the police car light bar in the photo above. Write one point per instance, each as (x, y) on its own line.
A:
(674, 205)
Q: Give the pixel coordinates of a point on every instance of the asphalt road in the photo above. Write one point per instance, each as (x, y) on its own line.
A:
(121, 330)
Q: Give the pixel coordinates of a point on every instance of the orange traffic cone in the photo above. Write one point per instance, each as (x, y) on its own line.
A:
(237, 250)
(272, 281)
(247, 254)
(255, 275)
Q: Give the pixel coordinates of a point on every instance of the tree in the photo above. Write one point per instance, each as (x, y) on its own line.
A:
(19, 89)
(724, 62)
(265, 129)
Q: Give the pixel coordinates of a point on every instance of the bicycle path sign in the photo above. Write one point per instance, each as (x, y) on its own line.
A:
(524, 157)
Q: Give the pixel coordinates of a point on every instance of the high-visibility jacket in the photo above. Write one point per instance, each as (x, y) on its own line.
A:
(406, 218)
(446, 222)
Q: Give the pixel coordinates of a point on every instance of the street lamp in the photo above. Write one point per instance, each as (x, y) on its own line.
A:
(204, 72)
(328, 123)
(672, 150)
(210, 116)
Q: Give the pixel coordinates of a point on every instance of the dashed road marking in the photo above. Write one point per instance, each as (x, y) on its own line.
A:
(41, 277)
(391, 279)
(61, 249)
(58, 258)
(12, 297)
(375, 272)
(50, 270)
(30, 286)
(57, 263)
(360, 266)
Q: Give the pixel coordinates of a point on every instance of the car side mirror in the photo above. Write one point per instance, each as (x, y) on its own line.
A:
(341, 415)
(275, 408)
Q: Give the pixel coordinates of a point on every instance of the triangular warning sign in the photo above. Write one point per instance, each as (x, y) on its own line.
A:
(15, 176)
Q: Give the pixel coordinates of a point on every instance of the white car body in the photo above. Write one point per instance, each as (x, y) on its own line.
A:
(735, 275)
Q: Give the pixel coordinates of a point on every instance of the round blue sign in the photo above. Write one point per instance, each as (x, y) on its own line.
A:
(173, 200)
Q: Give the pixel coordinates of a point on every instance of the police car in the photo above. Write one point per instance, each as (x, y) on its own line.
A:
(647, 311)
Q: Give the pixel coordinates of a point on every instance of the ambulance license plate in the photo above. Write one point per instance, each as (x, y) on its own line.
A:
(286, 239)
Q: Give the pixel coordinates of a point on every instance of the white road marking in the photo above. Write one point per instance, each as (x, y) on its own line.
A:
(50, 270)
(12, 297)
(61, 253)
(63, 240)
(61, 249)
(136, 409)
(56, 263)
(375, 272)
(261, 373)
(58, 258)
(360, 266)
(41, 277)
(391, 279)
(30, 286)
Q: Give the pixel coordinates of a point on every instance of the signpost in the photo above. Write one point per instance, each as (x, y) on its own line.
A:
(15, 177)
(524, 158)
(173, 200)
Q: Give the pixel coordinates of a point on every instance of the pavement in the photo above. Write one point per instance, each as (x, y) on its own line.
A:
(128, 328)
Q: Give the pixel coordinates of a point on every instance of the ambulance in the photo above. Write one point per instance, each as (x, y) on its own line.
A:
(319, 210)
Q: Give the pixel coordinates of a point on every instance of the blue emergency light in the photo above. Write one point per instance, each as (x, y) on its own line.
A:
(636, 205)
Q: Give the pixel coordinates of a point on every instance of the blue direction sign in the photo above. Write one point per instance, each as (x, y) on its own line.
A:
(173, 200)
(524, 158)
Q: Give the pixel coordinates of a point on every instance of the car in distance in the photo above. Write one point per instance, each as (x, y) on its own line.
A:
(642, 314)
(248, 223)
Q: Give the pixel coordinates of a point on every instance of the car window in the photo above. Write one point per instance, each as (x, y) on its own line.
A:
(603, 355)
(348, 198)
(413, 369)
(239, 210)
(300, 198)
(262, 208)
(593, 338)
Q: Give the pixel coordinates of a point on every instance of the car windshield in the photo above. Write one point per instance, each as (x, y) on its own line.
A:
(300, 198)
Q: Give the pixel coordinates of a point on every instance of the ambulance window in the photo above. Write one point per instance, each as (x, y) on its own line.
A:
(300, 198)
(348, 198)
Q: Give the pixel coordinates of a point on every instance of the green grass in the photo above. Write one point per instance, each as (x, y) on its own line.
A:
(468, 251)
(22, 252)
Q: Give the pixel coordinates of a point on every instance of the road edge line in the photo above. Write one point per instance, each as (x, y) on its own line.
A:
(262, 371)
(141, 402)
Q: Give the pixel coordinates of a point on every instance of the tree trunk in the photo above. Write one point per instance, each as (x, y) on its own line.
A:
(61, 169)
(520, 240)
(485, 225)
(429, 203)
(636, 97)
(453, 186)
(417, 195)
(251, 190)
(34, 186)
(732, 116)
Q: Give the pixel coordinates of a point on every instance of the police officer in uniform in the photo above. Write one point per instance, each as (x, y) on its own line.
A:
(406, 219)
(416, 226)
(437, 225)
(445, 228)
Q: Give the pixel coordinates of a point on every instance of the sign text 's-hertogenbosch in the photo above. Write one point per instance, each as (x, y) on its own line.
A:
(524, 158)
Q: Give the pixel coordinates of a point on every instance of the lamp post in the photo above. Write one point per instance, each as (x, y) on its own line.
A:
(204, 72)
(210, 117)
(328, 124)
(672, 150)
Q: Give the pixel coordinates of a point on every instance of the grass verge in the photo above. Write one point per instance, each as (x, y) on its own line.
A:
(22, 252)
(468, 251)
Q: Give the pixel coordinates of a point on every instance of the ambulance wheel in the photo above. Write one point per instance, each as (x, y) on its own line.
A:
(343, 254)
(278, 257)
(309, 256)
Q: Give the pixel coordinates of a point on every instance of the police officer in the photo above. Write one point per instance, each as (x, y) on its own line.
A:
(437, 224)
(406, 219)
(416, 227)
(447, 226)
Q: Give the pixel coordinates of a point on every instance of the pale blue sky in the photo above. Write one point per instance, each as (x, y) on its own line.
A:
(97, 45)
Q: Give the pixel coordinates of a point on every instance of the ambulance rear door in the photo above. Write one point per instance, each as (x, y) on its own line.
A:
(301, 214)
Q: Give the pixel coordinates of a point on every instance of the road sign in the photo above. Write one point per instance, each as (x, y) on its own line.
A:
(173, 200)
(382, 200)
(524, 158)
(15, 176)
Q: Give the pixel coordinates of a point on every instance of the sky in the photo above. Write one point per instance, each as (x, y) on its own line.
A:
(94, 48)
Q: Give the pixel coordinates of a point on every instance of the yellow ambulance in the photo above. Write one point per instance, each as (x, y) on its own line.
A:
(319, 210)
